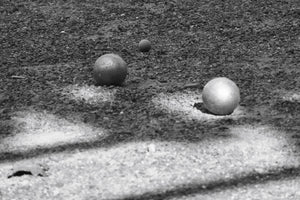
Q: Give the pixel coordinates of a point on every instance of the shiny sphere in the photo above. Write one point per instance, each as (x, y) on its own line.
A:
(144, 45)
(221, 96)
(110, 69)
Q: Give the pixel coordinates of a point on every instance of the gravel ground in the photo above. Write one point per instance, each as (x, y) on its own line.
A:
(61, 137)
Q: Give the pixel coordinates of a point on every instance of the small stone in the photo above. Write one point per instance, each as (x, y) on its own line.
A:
(151, 148)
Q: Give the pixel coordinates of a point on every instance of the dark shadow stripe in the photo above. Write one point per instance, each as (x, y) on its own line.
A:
(111, 140)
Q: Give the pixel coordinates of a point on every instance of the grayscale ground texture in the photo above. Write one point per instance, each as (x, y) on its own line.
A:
(62, 137)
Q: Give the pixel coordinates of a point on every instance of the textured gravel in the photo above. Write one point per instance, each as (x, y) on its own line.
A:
(63, 138)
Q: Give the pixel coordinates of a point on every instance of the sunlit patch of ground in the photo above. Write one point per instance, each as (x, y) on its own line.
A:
(286, 189)
(90, 93)
(34, 129)
(139, 167)
(290, 96)
(182, 104)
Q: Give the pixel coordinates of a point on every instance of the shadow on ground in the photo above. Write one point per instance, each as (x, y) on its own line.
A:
(117, 138)
(192, 131)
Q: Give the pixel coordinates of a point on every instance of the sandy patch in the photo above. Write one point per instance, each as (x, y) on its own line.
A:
(182, 104)
(89, 93)
(34, 129)
(139, 168)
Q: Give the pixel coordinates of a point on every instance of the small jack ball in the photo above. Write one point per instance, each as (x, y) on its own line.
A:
(110, 69)
(144, 45)
(221, 96)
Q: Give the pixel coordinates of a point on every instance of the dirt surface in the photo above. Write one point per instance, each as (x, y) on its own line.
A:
(61, 137)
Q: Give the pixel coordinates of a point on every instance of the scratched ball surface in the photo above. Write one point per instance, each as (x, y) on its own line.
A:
(221, 96)
(144, 45)
(110, 69)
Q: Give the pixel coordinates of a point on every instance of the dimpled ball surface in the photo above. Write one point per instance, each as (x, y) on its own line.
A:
(110, 69)
(221, 96)
(144, 45)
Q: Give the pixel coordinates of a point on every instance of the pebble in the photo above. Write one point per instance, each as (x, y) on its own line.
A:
(151, 148)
